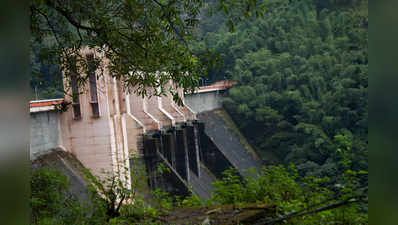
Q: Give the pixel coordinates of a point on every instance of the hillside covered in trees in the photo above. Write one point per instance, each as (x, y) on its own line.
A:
(302, 96)
(302, 73)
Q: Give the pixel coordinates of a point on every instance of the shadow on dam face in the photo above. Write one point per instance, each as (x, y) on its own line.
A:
(182, 159)
(196, 153)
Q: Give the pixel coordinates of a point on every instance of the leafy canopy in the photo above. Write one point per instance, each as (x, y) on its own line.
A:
(302, 73)
(145, 41)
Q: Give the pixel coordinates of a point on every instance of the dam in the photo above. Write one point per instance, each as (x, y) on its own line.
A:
(107, 128)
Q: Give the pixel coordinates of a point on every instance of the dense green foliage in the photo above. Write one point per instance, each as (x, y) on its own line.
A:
(145, 42)
(297, 199)
(302, 73)
(50, 201)
(110, 201)
(293, 195)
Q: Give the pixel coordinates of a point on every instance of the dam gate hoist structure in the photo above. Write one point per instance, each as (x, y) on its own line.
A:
(105, 128)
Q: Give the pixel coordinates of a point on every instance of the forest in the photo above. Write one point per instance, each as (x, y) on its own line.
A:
(302, 73)
(301, 68)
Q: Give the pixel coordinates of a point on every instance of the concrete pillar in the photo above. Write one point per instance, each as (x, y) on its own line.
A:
(150, 159)
(169, 146)
(193, 149)
(200, 127)
(182, 163)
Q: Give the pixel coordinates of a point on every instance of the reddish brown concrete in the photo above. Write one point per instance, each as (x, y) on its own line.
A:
(42, 103)
(220, 85)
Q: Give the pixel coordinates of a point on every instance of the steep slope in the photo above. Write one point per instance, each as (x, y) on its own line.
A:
(201, 186)
(226, 137)
(69, 166)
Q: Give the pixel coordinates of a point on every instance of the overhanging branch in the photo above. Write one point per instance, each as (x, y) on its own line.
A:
(354, 199)
(68, 16)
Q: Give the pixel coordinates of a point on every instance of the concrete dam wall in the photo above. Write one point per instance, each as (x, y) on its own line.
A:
(197, 153)
(220, 128)
(44, 132)
(194, 153)
(220, 132)
(179, 149)
(105, 126)
(203, 102)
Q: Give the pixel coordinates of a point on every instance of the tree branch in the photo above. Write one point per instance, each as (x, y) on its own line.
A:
(50, 26)
(355, 199)
(170, 22)
(132, 40)
(120, 203)
(69, 17)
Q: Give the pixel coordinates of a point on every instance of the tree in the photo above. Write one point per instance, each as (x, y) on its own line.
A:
(302, 80)
(145, 41)
(51, 201)
(297, 199)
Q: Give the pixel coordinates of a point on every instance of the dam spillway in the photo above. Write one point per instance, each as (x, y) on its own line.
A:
(105, 127)
(179, 150)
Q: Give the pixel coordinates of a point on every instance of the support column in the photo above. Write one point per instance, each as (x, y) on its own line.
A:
(193, 149)
(182, 164)
(151, 160)
(166, 152)
(169, 146)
